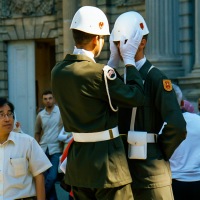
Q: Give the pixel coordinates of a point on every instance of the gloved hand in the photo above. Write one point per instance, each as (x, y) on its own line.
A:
(128, 48)
(114, 54)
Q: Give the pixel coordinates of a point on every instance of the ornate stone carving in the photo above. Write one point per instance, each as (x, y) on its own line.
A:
(12, 8)
(122, 3)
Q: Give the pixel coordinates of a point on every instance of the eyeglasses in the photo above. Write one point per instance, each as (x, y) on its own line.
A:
(9, 115)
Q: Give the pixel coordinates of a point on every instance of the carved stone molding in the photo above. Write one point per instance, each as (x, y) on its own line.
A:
(16, 8)
(124, 3)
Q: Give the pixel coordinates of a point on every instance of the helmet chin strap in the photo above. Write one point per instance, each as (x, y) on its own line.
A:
(100, 47)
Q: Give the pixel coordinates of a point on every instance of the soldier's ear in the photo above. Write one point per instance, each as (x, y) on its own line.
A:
(95, 39)
(143, 43)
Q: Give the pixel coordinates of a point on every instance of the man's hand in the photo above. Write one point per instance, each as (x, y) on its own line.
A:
(114, 54)
(128, 48)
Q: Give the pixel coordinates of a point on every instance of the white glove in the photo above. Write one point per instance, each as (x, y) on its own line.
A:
(114, 54)
(128, 48)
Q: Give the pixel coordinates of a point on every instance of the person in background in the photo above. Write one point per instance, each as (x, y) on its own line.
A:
(22, 161)
(88, 94)
(17, 125)
(185, 161)
(64, 137)
(198, 104)
(187, 106)
(47, 128)
(148, 152)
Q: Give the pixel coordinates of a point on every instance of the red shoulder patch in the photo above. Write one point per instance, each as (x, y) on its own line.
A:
(167, 84)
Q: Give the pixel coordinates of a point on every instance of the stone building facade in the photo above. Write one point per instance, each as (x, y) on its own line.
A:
(34, 35)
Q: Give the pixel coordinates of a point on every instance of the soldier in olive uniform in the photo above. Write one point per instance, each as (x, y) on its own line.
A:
(88, 94)
(151, 176)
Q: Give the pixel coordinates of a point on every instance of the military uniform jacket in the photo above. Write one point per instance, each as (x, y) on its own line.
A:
(160, 106)
(79, 88)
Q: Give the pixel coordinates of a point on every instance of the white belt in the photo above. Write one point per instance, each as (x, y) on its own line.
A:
(151, 138)
(96, 136)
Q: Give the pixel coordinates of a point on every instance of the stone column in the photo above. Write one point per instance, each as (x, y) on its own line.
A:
(88, 2)
(163, 42)
(69, 9)
(196, 68)
(191, 83)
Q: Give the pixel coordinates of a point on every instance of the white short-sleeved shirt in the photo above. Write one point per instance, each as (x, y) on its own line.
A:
(51, 125)
(21, 159)
(185, 161)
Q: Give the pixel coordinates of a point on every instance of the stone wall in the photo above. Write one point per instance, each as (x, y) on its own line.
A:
(59, 31)
(3, 70)
(37, 19)
(28, 20)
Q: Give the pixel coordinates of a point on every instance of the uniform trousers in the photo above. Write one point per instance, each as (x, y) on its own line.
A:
(186, 190)
(162, 193)
(118, 193)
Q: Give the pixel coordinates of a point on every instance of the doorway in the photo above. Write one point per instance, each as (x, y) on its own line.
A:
(44, 62)
(29, 74)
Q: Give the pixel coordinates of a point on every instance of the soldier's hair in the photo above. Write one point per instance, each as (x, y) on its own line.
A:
(81, 38)
(4, 101)
(47, 92)
(145, 37)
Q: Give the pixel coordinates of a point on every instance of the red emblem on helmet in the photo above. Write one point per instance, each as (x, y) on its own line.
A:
(101, 24)
(142, 26)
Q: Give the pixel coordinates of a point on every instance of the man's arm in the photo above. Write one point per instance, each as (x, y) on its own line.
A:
(40, 187)
(38, 129)
(38, 136)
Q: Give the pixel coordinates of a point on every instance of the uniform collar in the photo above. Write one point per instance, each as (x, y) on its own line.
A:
(11, 137)
(84, 52)
(140, 63)
(79, 57)
(53, 111)
(144, 69)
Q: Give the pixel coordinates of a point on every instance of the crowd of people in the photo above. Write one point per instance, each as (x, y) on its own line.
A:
(131, 136)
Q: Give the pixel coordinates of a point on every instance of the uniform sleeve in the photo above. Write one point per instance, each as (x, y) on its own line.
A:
(130, 94)
(38, 161)
(174, 131)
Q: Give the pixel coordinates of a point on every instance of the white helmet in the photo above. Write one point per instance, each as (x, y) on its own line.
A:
(126, 23)
(91, 20)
